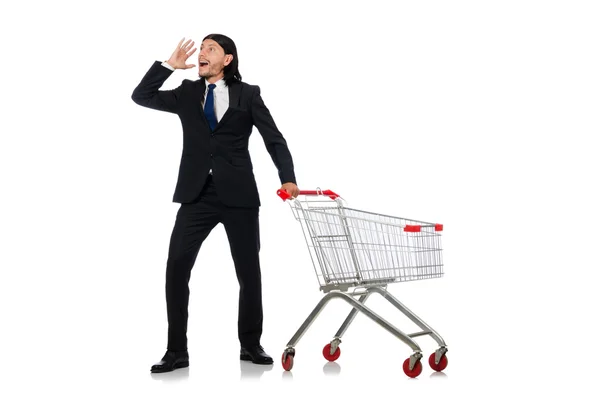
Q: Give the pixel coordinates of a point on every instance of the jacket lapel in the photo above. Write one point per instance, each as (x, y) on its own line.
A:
(234, 99)
(199, 98)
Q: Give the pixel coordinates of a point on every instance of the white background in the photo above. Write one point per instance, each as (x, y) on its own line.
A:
(479, 115)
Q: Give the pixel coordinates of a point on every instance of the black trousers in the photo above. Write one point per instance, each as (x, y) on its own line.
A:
(193, 223)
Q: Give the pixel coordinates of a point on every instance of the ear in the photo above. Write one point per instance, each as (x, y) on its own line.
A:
(228, 59)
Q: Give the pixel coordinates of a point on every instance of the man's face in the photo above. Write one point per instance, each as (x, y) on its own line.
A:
(211, 60)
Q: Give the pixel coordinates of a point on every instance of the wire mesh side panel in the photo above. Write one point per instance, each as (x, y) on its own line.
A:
(387, 252)
(326, 240)
(360, 247)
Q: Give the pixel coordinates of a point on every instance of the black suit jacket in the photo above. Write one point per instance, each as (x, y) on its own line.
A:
(224, 150)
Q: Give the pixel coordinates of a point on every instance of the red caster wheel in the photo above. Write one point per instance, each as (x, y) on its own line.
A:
(287, 362)
(439, 366)
(327, 353)
(416, 371)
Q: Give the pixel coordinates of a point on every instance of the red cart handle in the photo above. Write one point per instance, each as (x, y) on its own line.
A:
(285, 195)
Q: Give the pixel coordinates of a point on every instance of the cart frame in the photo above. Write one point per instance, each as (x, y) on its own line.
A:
(335, 283)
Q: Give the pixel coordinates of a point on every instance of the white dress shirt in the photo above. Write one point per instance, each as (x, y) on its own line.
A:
(220, 93)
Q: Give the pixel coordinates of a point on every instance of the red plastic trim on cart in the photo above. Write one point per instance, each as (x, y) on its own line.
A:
(285, 195)
(417, 228)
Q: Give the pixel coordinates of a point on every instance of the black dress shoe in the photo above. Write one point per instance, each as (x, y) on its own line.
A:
(171, 361)
(256, 354)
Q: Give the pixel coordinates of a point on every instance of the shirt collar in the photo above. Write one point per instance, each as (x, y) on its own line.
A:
(220, 84)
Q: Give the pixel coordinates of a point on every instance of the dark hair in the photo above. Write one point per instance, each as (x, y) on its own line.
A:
(231, 73)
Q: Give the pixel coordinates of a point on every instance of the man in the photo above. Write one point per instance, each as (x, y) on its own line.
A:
(216, 183)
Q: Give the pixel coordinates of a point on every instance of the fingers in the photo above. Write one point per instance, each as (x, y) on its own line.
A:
(291, 189)
(185, 46)
(189, 66)
(188, 45)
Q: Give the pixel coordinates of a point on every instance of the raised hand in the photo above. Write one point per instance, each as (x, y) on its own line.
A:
(181, 54)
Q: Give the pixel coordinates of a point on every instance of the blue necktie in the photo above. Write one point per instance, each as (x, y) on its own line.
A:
(209, 107)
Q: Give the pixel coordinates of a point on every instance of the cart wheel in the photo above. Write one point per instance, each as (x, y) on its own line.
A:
(287, 362)
(331, 357)
(416, 371)
(439, 366)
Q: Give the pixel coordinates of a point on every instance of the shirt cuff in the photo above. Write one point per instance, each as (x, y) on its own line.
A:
(166, 65)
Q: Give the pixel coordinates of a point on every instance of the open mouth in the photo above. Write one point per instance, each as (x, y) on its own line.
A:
(203, 63)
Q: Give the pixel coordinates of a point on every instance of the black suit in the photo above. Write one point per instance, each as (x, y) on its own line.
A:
(225, 150)
(230, 196)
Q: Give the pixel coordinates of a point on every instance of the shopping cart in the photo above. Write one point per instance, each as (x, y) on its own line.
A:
(364, 252)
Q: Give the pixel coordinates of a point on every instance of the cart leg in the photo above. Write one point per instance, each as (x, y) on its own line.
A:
(358, 306)
(351, 317)
(309, 320)
(413, 317)
(334, 344)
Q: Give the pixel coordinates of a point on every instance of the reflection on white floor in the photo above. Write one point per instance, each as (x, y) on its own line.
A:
(253, 372)
(173, 376)
(250, 371)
